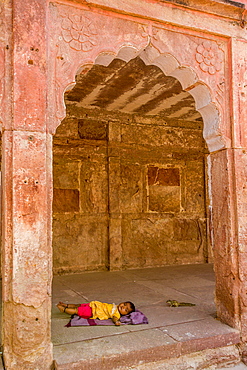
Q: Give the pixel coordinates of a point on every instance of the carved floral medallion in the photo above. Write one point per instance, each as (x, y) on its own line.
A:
(79, 32)
(209, 57)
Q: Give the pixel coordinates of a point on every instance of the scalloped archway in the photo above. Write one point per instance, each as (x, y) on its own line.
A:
(189, 81)
(186, 85)
(169, 65)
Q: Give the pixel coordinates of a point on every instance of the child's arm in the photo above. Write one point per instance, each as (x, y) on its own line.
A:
(116, 321)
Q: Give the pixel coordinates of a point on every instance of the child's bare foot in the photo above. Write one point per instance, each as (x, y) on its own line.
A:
(63, 304)
(61, 307)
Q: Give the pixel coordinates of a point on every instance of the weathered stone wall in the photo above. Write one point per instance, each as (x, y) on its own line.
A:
(129, 192)
(1, 203)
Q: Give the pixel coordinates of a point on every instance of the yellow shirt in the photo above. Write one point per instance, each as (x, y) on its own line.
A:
(104, 311)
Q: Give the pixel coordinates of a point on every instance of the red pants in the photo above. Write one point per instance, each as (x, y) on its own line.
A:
(85, 311)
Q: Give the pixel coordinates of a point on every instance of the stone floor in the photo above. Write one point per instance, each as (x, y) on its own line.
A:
(191, 334)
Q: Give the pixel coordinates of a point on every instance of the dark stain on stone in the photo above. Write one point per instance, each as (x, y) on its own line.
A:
(163, 176)
(65, 200)
(92, 129)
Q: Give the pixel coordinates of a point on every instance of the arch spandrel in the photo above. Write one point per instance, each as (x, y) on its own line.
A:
(207, 57)
(83, 38)
(78, 37)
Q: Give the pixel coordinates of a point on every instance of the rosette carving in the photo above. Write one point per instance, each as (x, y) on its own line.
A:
(79, 32)
(209, 57)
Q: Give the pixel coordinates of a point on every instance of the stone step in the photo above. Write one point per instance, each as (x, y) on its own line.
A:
(156, 348)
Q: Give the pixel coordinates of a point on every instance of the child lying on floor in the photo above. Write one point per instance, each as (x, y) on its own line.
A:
(98, 310)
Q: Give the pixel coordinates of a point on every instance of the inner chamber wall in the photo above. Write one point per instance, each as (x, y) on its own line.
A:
(129, 191)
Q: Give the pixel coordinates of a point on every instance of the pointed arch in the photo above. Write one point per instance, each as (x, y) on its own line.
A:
(170, 66)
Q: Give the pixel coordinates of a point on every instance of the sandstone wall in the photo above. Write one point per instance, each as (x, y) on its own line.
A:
(129, 192)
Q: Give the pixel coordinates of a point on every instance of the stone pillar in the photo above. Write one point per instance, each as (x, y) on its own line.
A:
(241, 207)
(221, 168)
(26, 191)
(239, 97)
(229, 203)
(26, 250)
(229, 200)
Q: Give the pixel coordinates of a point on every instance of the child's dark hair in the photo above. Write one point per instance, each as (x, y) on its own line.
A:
(132, 306)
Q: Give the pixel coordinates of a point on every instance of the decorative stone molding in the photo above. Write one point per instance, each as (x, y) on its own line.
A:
(220, 90)
(81, 37)
(242, 74)
(242, 96)
(239, 92)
